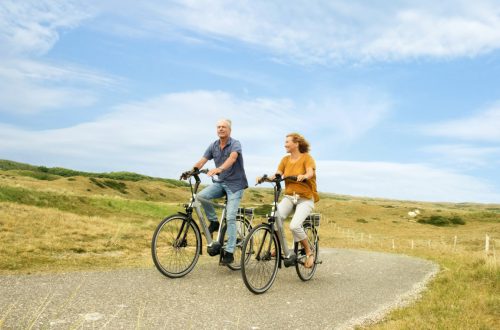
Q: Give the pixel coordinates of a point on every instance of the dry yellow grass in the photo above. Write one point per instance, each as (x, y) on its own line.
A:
(466, 292)
(44, 239)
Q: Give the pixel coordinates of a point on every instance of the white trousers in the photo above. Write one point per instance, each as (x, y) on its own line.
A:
(303, 207)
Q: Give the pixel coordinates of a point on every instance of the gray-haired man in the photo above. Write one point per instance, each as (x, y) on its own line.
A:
(227, 155)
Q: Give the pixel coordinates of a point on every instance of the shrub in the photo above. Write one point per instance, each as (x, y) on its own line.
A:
(263, 210)
(38, 175)
(440, 220)
(116, 185)
(456, 220)
(97, 183)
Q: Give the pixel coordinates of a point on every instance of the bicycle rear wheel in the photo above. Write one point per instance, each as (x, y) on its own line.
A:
(176, 246)
(259, 266)
(305, 274)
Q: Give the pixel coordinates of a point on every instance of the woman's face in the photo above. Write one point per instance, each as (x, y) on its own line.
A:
(290, 146)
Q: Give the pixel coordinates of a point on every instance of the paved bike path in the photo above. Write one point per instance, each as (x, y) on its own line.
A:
(349, 288)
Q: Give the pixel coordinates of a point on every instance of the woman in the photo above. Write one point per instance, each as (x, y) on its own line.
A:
(300, 194)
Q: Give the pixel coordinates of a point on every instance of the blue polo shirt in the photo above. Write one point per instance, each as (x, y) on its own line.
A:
(234, 176)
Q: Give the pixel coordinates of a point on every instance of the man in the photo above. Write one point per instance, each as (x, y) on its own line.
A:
(228, 158)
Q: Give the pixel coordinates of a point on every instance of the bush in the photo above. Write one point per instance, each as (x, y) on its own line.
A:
(97, 183)
(440, 220)
(38, 175)
(263, 210)
(456, 220)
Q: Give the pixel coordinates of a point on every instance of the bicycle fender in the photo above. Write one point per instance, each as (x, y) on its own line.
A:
(280, 263)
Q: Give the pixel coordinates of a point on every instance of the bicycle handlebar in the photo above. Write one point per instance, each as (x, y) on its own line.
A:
(195, 171)
(277, 178)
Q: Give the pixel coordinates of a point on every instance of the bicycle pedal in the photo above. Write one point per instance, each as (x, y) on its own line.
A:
(291, 261)
(319, 262)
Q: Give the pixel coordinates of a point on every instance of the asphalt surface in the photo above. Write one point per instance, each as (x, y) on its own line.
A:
(350, 288)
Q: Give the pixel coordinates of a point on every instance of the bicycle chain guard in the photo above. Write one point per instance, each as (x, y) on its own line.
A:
(214, 248)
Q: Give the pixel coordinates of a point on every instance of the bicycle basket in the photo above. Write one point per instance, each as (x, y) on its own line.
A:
(314, 219)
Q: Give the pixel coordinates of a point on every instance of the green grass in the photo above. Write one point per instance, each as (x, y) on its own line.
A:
(83, 205)
(39, 171)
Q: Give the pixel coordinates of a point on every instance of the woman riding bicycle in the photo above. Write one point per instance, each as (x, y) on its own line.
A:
(301, 194)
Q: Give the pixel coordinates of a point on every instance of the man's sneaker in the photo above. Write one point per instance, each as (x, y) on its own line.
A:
(214, 226)
(227, 258)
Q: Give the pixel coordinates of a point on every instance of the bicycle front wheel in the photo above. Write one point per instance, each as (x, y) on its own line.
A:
(305, 274)
(243, 227)
(176, 246)
(260, 259)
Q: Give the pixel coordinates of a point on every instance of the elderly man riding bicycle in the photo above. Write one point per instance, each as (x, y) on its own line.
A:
(227, 155)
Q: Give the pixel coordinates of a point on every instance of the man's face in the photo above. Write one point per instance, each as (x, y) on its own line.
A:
(223, 129)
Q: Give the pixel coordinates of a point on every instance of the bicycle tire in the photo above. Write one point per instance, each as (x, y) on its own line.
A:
(258, 266)
(243, 227)
(176, 256)
(305, 274)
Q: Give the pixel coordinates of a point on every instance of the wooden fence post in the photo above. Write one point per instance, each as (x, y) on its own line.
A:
(487, 244)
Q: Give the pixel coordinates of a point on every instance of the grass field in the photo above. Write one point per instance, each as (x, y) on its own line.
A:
(63, 220)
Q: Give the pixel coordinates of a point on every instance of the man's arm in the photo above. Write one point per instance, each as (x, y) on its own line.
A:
(233, 156)
(201, 162)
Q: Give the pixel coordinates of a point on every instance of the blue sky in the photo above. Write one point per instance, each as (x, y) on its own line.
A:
(398, 99)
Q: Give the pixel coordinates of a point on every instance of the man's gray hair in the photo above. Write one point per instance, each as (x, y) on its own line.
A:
(228, 121)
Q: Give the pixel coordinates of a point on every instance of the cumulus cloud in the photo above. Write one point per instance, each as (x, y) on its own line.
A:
(483, 126)
(32, 26)
(465, 155)
(165, 134)
(403, 181)
(28, 30)
(326, 31)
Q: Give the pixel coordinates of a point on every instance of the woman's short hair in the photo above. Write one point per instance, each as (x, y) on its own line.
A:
(303, 144)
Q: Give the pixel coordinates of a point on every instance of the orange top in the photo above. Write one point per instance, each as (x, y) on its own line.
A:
(305, 189)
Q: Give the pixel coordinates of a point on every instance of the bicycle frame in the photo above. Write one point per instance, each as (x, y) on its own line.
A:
(275, 218)
(195, 204)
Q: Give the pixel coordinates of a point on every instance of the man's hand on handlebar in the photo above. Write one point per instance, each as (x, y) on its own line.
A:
(261, 179)
(187, 174)
(215, 171)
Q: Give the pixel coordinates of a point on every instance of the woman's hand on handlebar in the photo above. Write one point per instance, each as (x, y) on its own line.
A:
(301, 177)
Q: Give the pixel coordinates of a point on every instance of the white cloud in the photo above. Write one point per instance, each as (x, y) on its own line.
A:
(29, 29)
(326, 31)
(349, 113)
(402, 181)
(165, 134)
(483, 126)
(28, 86)
(32, 26)
(465, 155)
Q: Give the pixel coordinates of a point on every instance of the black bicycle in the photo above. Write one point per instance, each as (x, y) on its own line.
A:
(176, 244)
(265, 248)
